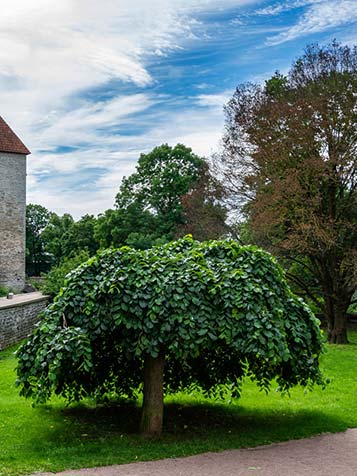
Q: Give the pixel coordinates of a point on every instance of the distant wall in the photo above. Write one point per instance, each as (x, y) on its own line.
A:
(18, 317)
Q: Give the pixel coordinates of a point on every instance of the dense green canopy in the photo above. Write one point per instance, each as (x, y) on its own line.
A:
(215, 310)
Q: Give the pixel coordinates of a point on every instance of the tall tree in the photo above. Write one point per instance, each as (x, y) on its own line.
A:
(81, 236)
(162, 177)
(66, 238)
(289, 163)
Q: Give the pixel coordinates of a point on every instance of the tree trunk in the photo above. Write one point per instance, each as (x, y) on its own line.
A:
(153, 404)
(337, 323)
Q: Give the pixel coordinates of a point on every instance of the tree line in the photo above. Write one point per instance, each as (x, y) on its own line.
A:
(172, 193)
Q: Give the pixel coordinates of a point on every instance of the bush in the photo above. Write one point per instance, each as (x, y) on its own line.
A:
(4, 291)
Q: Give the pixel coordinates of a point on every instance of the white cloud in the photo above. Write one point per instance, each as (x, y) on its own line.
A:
(214, 100)
(54, 52)
(85, 123)
(277, 8)
(104, 160)
(319, 17)
(50, 50)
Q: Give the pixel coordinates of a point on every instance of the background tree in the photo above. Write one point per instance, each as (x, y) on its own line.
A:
(289, 163)
(56, 236)
(178, 316)
(37, 260)
(65, 238)
(203, 212)
(81, 237)
(171, 193)
(162, 177)
(131, 225)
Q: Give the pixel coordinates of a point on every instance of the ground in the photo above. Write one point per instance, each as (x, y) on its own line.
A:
(324, 455)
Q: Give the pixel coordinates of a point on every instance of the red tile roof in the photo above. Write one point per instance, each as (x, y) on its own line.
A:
(9, 142)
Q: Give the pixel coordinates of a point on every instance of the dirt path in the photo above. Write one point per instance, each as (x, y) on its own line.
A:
(324, 455)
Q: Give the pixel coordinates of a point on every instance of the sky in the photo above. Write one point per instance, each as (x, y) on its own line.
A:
(89, 85)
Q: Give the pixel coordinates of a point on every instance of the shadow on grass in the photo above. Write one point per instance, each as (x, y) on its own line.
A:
(221, 425)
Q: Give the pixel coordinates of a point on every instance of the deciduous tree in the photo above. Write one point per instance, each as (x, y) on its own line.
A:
(203, 211)
(174, 317)
(289, 163)
(172, 193)
(162, 177)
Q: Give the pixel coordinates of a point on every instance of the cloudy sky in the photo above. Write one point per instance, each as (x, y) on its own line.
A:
(88, 85)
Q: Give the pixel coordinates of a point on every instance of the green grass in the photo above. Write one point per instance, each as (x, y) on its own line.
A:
(54, 437)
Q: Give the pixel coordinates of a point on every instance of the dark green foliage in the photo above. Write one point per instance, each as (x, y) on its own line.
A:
(149, 202)
(52, 239)
(66, 238)
(56, 236)
(160, 180)
(37, 259)
(55, 279)
(132, 226)
(81, 237)
(215, 309)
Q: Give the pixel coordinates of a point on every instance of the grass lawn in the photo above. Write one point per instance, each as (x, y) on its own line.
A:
(55, 437)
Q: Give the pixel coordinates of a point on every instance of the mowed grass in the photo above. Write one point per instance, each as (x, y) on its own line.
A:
(54, 437)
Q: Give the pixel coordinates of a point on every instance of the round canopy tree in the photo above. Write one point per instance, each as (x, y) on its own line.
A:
(174, 317)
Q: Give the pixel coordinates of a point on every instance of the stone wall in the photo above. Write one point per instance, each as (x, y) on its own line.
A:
(12, 220)
(18, 317)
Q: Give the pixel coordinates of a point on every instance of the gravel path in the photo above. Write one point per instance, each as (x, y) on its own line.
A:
(324, 455)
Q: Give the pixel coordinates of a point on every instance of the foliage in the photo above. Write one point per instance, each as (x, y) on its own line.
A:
(57, 235)
(172, 193)
(37, 218)
(62, 239)
(289, 163)
(216, 311)
(4, 291)
(204, 215)
(131, 226)
(161, 178)
(57, 241)
(81, 237)
(153, 193)
(65, 237)
(55, 279)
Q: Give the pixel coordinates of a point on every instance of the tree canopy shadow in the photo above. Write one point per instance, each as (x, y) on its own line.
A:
(226, 425)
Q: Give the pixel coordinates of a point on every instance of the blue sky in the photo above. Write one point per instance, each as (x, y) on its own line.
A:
(90, 85)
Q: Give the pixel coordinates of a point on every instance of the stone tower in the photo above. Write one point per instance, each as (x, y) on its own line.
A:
(12, 208)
